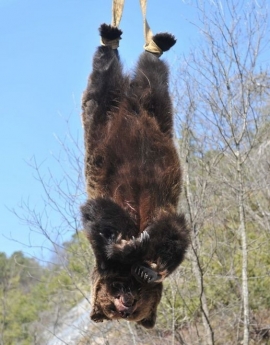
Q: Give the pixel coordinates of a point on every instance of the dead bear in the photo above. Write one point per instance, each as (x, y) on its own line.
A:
(133, 180)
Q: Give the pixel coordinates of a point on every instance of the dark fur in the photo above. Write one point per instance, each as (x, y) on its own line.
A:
(133, 179)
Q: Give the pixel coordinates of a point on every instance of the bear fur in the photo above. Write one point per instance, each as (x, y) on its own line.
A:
(133, 181)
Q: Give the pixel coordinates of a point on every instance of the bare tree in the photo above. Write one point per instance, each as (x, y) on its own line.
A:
(221, 93)
(195, 201)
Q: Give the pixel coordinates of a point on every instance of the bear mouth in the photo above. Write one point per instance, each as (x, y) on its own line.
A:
(125, 306)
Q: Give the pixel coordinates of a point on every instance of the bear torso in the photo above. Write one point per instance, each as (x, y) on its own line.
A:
(136, 165)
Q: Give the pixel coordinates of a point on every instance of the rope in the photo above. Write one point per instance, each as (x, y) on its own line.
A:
(117, 10)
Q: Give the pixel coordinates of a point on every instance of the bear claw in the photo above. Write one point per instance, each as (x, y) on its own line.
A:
(144, 236)
(144, 274)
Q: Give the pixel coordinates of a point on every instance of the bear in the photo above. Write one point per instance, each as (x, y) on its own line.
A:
(133, 182)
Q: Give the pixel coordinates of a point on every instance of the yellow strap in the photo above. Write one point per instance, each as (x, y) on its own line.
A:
(117, 10)
(114, 44)
(150, 45)
(147, 31)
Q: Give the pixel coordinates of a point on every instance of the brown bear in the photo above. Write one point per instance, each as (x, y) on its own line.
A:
(133, 180)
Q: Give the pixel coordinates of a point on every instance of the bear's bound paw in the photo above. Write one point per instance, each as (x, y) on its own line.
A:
(164, 41)
(110, 32)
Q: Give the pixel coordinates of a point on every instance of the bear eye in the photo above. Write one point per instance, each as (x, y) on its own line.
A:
(117, 285)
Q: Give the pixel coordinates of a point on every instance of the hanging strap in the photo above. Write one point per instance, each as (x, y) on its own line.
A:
(148, 34)
(117, 10)
(150, 45)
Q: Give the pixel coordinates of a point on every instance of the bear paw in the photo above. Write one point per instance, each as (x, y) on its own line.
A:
(164, 41)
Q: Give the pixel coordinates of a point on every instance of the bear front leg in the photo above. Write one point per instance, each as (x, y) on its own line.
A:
(107, 226)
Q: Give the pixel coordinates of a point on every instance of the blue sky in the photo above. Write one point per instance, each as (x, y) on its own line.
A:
(46, 52)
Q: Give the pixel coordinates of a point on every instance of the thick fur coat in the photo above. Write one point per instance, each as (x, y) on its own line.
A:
(133, 180)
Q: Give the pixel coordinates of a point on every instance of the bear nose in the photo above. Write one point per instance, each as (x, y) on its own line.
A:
(127, 300)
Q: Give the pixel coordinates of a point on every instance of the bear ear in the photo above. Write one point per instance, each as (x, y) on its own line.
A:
(150, 321)
(97, 314)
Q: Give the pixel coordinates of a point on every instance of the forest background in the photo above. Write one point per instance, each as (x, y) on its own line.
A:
(220, 86)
